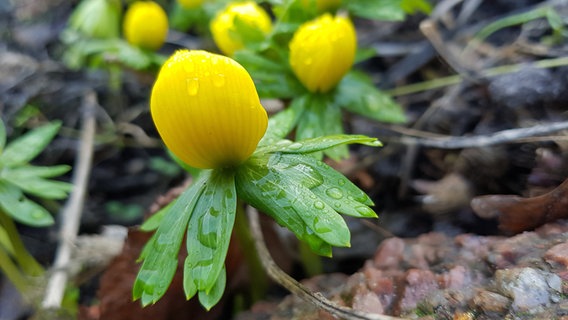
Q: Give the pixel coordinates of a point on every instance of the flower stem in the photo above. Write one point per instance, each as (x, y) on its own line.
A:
(26, 261)
(310, 261)
(257, 276)
(11, 271)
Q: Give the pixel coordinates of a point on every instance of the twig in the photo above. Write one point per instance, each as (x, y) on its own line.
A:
(499, 137)
(317, 299)
(71, 213)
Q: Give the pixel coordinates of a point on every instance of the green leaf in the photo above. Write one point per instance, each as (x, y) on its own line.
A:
(297, 180)
(386, 10)
(16, 205)
(27, 172)
(154, 221)
(323, 143)
(411, 6)
(209, 233)
(30, 179)
(357, 94)
(261, 188)
(209, 299)
(161, 252)
(282, 123)
(336, 190)
(2, 136)
(272, 77)
(29, 145)
(363, 54)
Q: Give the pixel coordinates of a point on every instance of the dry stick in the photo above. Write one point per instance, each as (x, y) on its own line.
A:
(71, 213)
(297, 288)
(499, 137)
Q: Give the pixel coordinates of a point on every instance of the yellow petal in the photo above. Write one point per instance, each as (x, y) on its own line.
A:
(224, 31)
(145, 25)
(322, 51)
(206, 109)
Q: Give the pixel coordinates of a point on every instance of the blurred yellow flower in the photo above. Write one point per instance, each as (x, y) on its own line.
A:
(206, 109)
(322, 51)
(323, 5)
(224, 26)
(145, 25)
(190, 4)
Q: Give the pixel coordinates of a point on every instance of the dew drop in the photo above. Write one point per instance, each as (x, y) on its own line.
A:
(319, 205)
(334, 193)
(295, 146)
(341, 182)
(365, 211)
(214, 60)
(37, 215)
(192, 86)
(219, 80)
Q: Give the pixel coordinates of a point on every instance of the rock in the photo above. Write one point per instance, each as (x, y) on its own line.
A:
(558, 254)
(489, 301)
(530, 289)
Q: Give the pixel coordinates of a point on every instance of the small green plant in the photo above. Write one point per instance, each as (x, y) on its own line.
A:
(92, 37)
(207, 111)
(19, 178)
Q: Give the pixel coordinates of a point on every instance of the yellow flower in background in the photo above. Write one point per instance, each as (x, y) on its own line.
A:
(145, 25)
(323, 5)
(206, 109)
(322, 51)
(224, 29)
(190, 4)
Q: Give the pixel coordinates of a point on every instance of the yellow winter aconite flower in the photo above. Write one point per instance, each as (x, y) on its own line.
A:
(190, 4)
(322, 51)
(224, 25)
(206, 109)
(323, 5)
(145, 25)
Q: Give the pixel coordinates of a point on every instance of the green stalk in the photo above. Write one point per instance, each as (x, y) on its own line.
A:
(11, 271)
(310, 261)
(257, 275)
(26, 262)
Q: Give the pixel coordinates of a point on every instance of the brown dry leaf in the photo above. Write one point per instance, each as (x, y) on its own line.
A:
(517, 214)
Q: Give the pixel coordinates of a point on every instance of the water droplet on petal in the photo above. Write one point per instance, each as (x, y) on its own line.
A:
(219, 80)
(192, 86)
(334, 193)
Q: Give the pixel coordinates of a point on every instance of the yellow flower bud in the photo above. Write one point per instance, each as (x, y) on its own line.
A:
(322, 51)
(145, 25)
(190, 4)
(323, 5)
(206, 109)
(224, 30)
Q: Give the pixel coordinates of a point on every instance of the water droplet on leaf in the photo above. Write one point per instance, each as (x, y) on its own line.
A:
(319, 205)
(295, 146)
(334, 193)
